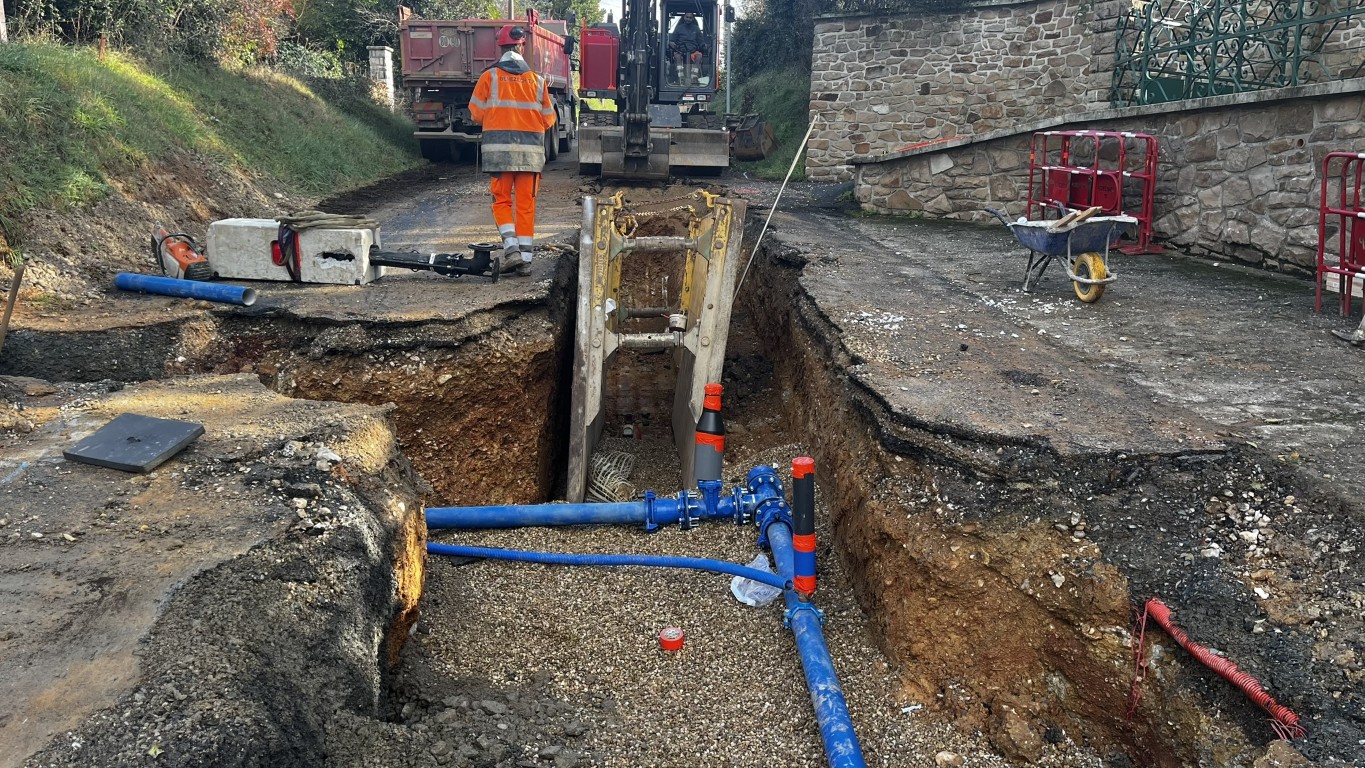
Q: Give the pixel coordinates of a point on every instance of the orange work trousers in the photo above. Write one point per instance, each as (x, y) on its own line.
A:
(521, 213)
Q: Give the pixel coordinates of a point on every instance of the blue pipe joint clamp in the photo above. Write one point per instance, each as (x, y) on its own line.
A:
(791, 612)
(743, 504)
(651, 525)
(689, 509)
(772, 510)
(710, 498)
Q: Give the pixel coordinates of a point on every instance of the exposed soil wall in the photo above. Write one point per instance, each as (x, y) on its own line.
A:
(1001, 575)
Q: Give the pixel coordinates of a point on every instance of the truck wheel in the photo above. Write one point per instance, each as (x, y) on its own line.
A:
(467, 153)
(551, 146)
(566, 144)
(435, 150)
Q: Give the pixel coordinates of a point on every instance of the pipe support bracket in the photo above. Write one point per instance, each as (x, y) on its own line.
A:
(792, 611)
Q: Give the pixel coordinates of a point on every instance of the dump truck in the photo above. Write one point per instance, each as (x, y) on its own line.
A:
(442, 62)
(663, 80)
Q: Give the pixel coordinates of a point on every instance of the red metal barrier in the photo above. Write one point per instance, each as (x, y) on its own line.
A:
(1341, 206)
(1080, 169)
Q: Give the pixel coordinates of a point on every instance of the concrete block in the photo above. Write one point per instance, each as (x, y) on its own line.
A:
(240, 249)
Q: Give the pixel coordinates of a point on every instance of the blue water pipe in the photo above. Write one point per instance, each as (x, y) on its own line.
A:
(831, 710)
(653, 561)
(185, 289)
(687, 508)
(761, 499)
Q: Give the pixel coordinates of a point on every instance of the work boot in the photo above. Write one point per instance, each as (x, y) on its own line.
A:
(513, 264)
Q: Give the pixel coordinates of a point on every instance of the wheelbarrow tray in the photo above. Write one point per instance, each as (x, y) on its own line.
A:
(1092, 235)
(1070, 243)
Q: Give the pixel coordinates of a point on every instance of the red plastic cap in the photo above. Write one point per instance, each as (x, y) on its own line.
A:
(802, 466)
(671, 639)
(713, 389)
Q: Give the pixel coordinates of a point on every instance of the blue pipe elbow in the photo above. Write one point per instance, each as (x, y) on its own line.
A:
(185, 289)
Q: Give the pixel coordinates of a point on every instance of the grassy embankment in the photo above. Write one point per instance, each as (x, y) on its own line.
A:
(782, 97)
(70, 123)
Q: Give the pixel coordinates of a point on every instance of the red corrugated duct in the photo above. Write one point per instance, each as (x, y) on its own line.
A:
(1285, 722)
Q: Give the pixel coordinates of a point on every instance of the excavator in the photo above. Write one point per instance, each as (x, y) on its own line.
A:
(660, 68)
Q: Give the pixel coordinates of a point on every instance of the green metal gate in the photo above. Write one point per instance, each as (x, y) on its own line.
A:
(1168, 50)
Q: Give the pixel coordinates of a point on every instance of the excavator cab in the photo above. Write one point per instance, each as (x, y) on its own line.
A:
(689, 64)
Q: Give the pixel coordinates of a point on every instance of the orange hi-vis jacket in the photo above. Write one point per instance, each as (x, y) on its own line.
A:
(513, 105)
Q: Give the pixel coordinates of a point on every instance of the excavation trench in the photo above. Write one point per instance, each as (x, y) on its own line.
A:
(995, 576)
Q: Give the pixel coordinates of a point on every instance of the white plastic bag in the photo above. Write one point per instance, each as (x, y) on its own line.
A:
(752, 592)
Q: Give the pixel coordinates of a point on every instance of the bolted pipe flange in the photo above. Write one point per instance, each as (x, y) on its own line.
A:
(744, 506)
(771, 511)
(688, 504)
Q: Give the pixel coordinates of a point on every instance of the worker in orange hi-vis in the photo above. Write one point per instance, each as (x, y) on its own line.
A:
(512, 103)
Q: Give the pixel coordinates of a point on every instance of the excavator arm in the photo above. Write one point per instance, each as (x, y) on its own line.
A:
(638, 72)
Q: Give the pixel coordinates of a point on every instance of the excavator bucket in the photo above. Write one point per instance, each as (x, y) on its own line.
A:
(751, 137)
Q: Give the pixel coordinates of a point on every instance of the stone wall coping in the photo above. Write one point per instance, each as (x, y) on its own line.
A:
(1352, 85)
(971, 5)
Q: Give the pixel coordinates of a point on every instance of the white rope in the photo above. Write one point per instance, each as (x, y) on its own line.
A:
(773, 209)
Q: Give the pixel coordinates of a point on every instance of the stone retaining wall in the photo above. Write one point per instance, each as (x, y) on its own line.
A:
(1238, 176)
(882, 81)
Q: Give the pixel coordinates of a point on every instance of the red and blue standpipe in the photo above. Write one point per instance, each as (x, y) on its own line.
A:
(788, 531)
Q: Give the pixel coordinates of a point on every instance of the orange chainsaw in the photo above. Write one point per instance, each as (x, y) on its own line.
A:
(179, 256)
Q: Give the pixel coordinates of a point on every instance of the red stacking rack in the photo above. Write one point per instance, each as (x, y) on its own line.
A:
(1081, 169)
(1343, 208)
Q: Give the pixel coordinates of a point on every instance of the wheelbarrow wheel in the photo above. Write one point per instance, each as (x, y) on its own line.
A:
(1091, 266)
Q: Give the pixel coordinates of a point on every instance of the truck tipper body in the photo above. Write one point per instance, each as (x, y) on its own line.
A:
(442, 62)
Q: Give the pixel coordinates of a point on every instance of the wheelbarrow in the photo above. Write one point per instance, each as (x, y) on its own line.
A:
(1081, 237)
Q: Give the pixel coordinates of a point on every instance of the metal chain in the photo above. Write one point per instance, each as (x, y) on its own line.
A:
(665, 212)
(645, 214)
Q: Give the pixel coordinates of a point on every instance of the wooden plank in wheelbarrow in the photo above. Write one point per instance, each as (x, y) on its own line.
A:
(134, 443)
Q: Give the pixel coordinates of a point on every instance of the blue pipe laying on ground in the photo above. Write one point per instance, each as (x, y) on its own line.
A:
(185, 289)
(831, 711)
(653, 561)
(763, 500)
(652, 511)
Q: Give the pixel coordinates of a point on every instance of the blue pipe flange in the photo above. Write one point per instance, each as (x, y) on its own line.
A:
(688, 503)
(738, 505)
(772, 510)
(744, 506)
(791, 612)
(762, 475)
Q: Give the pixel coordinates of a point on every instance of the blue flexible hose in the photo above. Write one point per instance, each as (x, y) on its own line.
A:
(653, 561)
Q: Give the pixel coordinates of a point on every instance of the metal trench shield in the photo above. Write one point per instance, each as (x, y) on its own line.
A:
(713, 256)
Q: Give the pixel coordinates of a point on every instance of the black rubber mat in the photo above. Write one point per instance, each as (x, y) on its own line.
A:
(134, 443)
